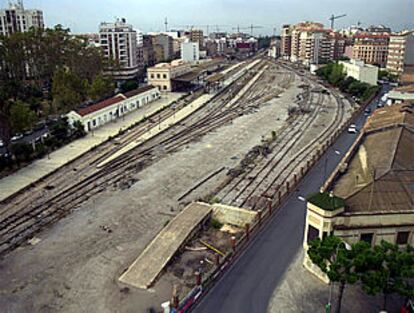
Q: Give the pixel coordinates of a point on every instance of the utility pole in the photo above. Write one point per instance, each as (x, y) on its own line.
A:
(166, 24)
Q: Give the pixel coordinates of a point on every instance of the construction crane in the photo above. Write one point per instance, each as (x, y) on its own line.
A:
(333, 18)
(207, 27)
(251, 27)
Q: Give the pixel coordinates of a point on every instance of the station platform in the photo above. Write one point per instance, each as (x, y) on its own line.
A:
(150, 263)
(42, 167)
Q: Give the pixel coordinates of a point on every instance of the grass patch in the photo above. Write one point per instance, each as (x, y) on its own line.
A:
(325, 201)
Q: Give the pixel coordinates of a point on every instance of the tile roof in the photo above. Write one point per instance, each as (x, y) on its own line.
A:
(100, 105)
(380, 174)
(138, 91)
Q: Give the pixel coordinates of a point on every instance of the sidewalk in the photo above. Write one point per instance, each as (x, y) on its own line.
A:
(39, 168)
(300, 291)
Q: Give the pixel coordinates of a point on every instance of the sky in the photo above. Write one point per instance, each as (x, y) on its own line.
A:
(148, 15)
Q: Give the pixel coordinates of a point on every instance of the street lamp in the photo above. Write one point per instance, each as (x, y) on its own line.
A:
(329, 305)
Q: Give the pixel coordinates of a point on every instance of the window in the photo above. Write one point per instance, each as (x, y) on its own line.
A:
(152, 76)
(158, 76)
(367, 237)
(164, 76)
(94, 123)
(313, 233)
(402, 237)
(164, 87)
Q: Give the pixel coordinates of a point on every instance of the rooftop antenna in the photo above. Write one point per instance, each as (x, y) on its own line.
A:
(166, 24)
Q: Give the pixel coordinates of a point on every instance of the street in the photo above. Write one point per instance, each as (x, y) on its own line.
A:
(249, 284)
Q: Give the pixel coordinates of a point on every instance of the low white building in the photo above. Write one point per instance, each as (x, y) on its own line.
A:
(357, 69)
(100, 113)
(190, 52)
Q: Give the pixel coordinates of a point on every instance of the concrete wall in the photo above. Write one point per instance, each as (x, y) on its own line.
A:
(234, 216)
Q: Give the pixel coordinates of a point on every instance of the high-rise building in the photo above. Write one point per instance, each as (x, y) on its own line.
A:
(286, 41)
(400, 52)
(371, 48)
(163, 47)
(196, 35)
(119, 42)
(310, 43)
(18, 19)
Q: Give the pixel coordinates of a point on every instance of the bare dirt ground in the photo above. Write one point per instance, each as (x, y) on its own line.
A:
(76, 265)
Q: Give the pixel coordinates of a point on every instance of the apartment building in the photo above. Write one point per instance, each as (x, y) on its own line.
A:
(286, 41)
(197, 35)
(309, 43)
(369, 196)
(18, 19)
(162, 74)
(163, 46)
(190, 52)
(400, 52)
(371, 48)
(119, 42)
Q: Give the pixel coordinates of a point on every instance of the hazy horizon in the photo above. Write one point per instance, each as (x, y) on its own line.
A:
(148, 16)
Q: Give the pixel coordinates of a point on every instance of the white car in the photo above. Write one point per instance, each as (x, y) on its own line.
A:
(1, 144)
(352, 129)
(17, 137)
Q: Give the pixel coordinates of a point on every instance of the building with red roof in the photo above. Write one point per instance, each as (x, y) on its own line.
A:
(97, 114)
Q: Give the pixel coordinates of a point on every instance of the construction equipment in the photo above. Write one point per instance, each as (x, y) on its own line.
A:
(207, 27)
(251, 27)
(333, 18)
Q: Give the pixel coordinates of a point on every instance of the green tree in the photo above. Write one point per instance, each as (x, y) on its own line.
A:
(386, 269)
(67, 90)
(100, 88)
(21, 117)
(129, 85)
(332, 257)
(336, 75)
(78, 129)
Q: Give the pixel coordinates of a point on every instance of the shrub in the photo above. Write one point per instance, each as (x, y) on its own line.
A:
(215, 223)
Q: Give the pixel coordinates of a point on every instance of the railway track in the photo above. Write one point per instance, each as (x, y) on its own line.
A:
(282, 145)
(23, 222)
(262, 180)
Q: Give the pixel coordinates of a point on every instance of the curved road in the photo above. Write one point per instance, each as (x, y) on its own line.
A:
(248, 285)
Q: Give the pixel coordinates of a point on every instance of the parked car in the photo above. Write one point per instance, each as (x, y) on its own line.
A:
(352, 129)
(367, 111)
(16, 137)
(1, 144)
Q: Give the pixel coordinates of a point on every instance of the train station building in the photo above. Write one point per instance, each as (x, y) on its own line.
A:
(97, 114)
(370, 195)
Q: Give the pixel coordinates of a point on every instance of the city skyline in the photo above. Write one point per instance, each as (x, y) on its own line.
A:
(86, 16)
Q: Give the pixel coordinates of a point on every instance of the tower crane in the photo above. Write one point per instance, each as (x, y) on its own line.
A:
(251, 27)
(333, 18)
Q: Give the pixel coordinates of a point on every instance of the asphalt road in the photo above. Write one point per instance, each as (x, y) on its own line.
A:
(29, 138)
(248, 285)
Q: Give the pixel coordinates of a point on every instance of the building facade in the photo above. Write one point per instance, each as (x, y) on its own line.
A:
(369, 196)
(357, 69)
(162, 74)
(197, 35)
(371, 48)
(310, 43)
(18, 19)
(119, 42)
(103, 112)
(400, 52)
(190, 52)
